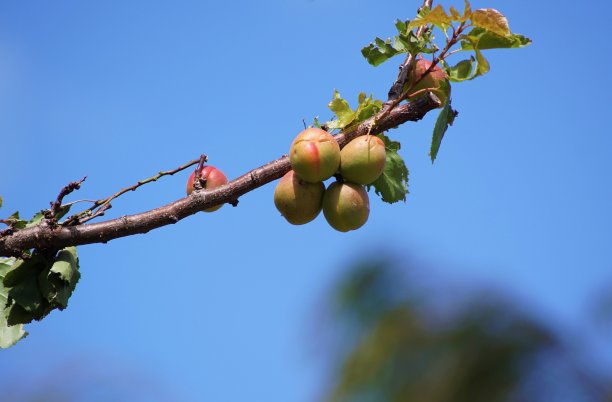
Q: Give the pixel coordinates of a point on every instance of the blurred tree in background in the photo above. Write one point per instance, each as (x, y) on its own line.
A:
(398, 342)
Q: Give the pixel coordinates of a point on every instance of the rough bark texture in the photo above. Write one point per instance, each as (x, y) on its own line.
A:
(45, 236)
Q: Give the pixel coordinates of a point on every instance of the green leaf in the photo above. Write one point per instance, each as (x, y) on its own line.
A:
(30, 289)
(491, 20)
(483, 65)
(59, 281)
(445, 118)
(392, 185)
(344, 114)
(22, 279)
(19, 223)
(380, 51)
(483, 40)
(367, 108)
(437, 16)
(16, 314)
(461, 71)
(0, 201)
(36, 219)
(406, 41)
(9, 335)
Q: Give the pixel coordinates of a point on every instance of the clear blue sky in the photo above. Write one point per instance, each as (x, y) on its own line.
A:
(223, 307)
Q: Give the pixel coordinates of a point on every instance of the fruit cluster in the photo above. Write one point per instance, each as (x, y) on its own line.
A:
(315, 157)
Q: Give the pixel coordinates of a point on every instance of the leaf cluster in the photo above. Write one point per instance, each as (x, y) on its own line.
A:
(345, 116)
(482, 29)
(466, 31)
(30, 289)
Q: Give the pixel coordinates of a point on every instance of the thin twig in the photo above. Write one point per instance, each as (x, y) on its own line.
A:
(198, 182)
(91, 212)
(68, 204)
(57, 204)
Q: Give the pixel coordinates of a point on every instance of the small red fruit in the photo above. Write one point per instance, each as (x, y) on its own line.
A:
(314, 155)
(212, 177)
(435, 81)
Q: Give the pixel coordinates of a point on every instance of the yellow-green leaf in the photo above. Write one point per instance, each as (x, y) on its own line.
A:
(467, 13)
(483, 65)
(437, 16)
(342, 110)
(491, 20)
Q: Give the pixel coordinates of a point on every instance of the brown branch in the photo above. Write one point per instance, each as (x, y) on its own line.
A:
(44, 236)
(404, 70)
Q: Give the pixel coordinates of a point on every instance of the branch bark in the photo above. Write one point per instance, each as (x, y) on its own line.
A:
(404, 70)
(44, 236)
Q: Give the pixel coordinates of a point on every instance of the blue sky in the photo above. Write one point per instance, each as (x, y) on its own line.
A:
(224, 306)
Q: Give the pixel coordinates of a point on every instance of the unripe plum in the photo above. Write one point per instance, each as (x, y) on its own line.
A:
(213, 178)
(435, 81)
(363, 159)
(297, 200)
(314, 155)
(346, 206)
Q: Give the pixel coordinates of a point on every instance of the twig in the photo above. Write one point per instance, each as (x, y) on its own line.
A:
(198, 183)
(91, 212)
(68, 204)
(57, 204)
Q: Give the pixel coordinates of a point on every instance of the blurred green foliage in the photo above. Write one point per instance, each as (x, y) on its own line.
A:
(401, 343)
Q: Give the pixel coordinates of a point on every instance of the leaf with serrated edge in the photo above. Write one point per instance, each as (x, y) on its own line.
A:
(491, 20)
(342, 110)
(59, 281)
(367, 108)
(18, 223)
(445, 119)
(488, 40)
(36, 219)
(392, 185)
(401, 25)
(378, 52)
(22, 281)
(9, 335)
(467, 11)
(437, 16)
(464, 70)
(454, 14)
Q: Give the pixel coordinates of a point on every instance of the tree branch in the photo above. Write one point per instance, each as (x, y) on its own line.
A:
(404, 69)
(44, 236)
